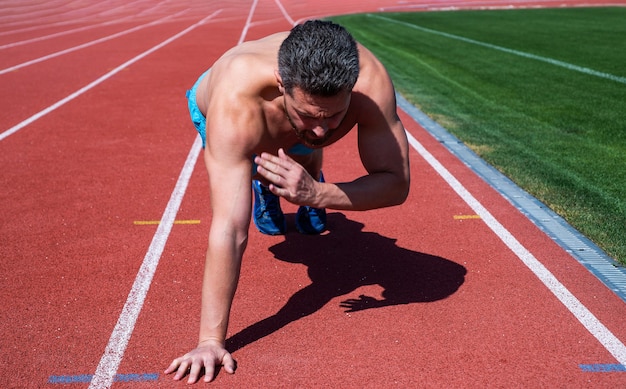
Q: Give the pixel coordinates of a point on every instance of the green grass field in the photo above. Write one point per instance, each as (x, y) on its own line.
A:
(538, 93)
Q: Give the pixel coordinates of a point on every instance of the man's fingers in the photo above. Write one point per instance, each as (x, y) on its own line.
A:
(282, 155)
(182, 370)
(278, 191)
(230, 365)
(209, 372)
(203, 360)
(269, 160)
(275, 162)
(270, 176)
(172, 367)
(194, 373)
(267, 164)
(271, 171)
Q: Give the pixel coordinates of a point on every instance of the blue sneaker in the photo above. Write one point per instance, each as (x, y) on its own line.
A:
(311, 220)
(268, 217)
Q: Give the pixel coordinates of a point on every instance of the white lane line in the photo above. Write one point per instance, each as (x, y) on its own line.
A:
(248, 22)
(456, 5)
(37, 27)
(284, 12)
(565, 65)
(75, 30)
(53, 13)
(88, 44)
(70, 20)
(114, 352)
(58, 34)
(84, 89)
(27, 12)
(610, 342)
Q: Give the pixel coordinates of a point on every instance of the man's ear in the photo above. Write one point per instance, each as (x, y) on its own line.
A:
(279, 81)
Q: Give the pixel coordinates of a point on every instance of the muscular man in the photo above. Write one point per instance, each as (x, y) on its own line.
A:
(265, 110)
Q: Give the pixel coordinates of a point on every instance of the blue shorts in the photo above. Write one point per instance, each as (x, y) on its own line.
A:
(199, 121)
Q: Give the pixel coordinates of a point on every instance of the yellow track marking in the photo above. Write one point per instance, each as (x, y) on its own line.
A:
(464, 217)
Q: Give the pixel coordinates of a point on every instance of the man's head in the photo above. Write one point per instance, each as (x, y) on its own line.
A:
(320, 58)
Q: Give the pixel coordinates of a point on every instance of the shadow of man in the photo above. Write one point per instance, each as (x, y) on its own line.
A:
(345, 259)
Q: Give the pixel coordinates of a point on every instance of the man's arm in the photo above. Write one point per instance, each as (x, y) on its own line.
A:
(229, 167)
(230, 195)
(383, 148)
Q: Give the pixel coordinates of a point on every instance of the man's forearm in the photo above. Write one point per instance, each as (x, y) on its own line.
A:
(221, 275)
(373, 191)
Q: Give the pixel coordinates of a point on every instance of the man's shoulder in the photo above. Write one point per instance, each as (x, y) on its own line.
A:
(371, 66)
(249, 66)
(264, 49)
(374, 81)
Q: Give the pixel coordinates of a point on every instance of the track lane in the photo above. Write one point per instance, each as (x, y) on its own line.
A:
(59, 13)
(80, 248)
(452, 342)
(270, 368)
(85, 41)
(488, 327)
(71, 75)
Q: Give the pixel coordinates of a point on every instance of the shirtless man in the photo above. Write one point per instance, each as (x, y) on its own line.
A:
(270, 106)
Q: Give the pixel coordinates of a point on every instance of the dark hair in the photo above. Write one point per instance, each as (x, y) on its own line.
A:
(319, 57)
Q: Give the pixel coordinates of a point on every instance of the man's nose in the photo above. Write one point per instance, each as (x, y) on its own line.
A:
(320, 129)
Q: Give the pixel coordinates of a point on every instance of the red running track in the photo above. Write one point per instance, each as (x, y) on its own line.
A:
(94, 136)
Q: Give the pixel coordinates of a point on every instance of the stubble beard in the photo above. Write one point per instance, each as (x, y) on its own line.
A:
(314, 142)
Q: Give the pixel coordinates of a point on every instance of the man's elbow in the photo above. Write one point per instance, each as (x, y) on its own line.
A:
(401, 191)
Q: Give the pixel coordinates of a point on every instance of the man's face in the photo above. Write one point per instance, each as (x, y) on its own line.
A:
(315, 118)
